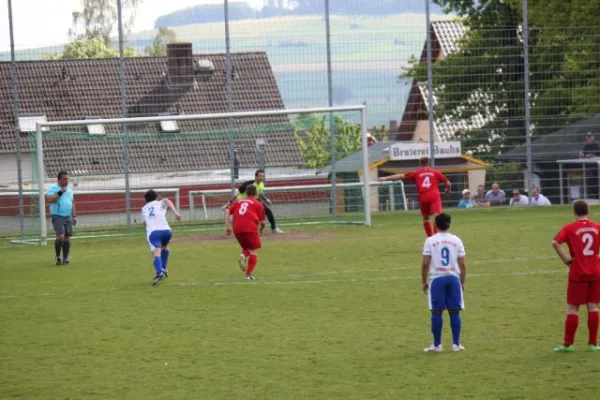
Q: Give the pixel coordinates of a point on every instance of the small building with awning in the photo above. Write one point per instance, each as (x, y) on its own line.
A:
(557, 163)
(388, 158)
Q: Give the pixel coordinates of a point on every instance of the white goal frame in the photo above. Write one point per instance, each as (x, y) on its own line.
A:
(245, 114)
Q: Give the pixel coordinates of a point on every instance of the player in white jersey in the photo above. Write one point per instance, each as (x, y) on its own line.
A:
(444, 272)
(158, 231)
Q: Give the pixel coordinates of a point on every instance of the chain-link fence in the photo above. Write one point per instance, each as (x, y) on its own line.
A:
(485, 96)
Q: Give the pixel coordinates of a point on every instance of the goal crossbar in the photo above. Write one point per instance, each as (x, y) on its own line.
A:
(362, 108)
(282, 189)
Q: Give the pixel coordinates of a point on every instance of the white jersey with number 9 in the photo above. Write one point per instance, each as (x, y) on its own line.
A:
(445, 249)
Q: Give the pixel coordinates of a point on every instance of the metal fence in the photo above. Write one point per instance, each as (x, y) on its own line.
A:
(519, 90)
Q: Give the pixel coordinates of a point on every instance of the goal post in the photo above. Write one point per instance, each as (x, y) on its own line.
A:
(190, 153)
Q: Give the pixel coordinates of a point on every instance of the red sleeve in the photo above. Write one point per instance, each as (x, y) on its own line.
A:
(562, 236)
(233, 207)
(410, 176)
(440, 177)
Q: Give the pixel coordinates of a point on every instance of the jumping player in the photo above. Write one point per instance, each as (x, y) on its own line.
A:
(583, 239)
(158, 231)
(427, 180)
(259, 182)
(248, 213)
(444, 273)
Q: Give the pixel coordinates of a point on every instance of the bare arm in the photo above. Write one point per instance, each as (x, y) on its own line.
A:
(171, 207)
(561, 254)
(227, 222)
(74, 214)
(425, 272)
(396, 177)
(462, 266)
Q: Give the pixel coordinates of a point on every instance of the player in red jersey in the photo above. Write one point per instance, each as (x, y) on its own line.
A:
(248, 214)
(583, 239)
(427, 180)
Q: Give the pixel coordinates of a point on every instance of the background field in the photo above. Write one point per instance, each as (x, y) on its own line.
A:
(340, 316)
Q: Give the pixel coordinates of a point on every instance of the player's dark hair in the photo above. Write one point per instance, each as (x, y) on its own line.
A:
(259, 171)
(424, 161)
(150, 195)
(62, 174)
(251, 190)
(581, 208)
(443, 221)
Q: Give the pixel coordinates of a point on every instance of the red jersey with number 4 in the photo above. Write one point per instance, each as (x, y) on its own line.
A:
(427, 180)
(583, 239)
(247, 214)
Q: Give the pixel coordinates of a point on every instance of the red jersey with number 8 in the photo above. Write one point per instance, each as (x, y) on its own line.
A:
(427, 180)
(583, 239)
(247, 214)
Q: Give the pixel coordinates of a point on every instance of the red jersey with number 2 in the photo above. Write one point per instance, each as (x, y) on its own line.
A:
(247, 214)
(583, 239)
(427, 180)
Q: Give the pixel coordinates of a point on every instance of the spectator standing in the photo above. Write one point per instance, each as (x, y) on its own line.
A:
(466, 201)
(479, 199)
(591, 149)
(518, 199)
(538, 199)
(496, 196)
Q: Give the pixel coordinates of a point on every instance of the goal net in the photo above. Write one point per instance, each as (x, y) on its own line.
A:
(198, 160)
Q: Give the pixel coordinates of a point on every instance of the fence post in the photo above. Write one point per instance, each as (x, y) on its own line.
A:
(529, 179)
(15, 91)
(229, 95)
(330, 102)
(430, 86)
(124, 113)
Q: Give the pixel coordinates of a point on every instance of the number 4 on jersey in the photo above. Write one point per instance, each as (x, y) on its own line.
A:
(426, 183)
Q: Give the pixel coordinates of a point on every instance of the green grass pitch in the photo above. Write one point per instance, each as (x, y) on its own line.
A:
(339, 316)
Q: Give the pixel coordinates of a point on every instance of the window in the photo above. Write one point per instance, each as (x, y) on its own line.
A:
(27, 122)
(169, 126)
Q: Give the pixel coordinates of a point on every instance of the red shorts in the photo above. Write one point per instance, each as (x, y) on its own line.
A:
(248, 240)
(431, 205)
(580, 293)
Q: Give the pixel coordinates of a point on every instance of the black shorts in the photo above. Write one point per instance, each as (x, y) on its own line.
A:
(62, 225)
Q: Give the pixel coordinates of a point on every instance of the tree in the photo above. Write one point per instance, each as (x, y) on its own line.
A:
(98, 19)
(485, 77)
(93, 48)
(163, 37)
(314, 138)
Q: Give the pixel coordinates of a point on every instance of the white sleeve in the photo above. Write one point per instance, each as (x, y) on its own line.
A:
(461, 249)
(525, 199)
(545, 202)
(427, 250)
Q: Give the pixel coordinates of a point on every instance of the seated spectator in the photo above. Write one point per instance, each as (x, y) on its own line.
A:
(466, 200)
(518, 199)
(538, 199)
(479, 199)
(496, 196)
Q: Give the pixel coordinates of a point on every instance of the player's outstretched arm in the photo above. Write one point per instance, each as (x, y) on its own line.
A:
(425, 272)
(561, 254)
(171, 207)
(462, 266)
(396, 177)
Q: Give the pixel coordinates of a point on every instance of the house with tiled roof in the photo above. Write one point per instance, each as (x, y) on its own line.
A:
(181, 83)
(445, 36)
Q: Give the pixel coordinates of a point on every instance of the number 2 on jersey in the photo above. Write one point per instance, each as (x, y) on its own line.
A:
(151, 209)
(588, 241)
(243, 209)
(445, 256)
(426, 183)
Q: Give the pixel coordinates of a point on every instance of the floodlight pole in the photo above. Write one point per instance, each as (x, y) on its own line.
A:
(330, 103)
(39, 148)
(229, 96)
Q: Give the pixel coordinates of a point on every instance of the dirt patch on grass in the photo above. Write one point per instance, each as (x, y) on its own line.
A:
(292, 236)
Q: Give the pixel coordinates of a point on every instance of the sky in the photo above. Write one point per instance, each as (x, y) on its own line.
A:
(50, 22)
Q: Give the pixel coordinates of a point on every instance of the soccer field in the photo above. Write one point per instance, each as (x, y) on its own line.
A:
(335, 314)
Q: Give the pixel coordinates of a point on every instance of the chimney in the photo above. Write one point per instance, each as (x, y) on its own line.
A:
(393, 126)
(180, 65)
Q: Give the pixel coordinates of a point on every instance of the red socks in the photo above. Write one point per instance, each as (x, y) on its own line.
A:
(427, 227)
(593, 327)
(245, 252)
(570, 328)
(251, 264)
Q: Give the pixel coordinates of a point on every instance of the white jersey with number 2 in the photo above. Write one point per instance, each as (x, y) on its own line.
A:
(154, 215)
(445, 249)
